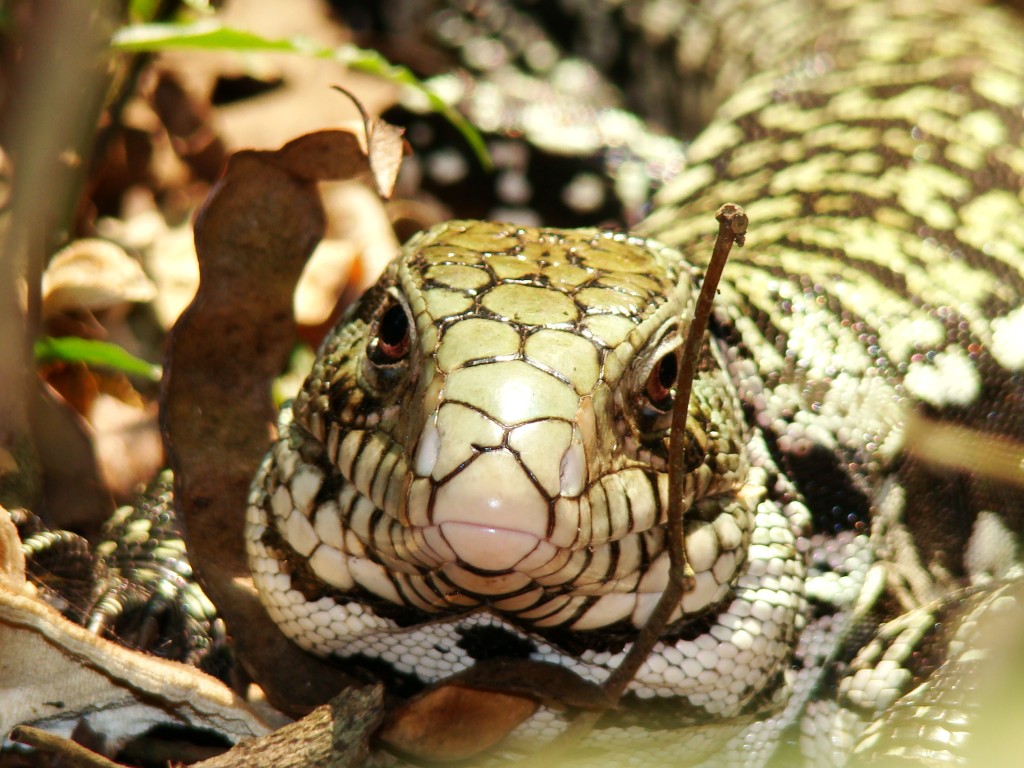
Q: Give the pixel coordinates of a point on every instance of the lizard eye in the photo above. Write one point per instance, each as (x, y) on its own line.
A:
(653, 390)
(393, 336)
(660, 382)
(388, 348)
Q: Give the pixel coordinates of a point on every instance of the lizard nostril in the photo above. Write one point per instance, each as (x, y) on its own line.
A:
(428, 450)
(573, 469)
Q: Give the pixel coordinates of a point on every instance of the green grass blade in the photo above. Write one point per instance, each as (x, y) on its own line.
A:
(96, 354)
(205, 34)
(372, 63)
(212, 36)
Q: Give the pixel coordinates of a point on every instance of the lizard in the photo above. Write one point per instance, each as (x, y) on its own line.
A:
(476, 466)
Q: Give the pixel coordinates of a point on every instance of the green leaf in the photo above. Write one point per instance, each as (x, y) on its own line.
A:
(212, 36)
(97, 354)
(372, 63)
(206, 34)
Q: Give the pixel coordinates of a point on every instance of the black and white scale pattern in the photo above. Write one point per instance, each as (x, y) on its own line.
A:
(475, 467)
(422, 494)
(372, 549)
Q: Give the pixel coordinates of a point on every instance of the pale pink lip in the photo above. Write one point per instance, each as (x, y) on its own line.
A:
(487, 548)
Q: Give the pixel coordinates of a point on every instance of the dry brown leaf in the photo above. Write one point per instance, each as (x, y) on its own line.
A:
(73, 382)
(128, 445)
(385, 147)
(359, 244)
(187, 121)
(171, 260)
(120, 426)
(540, 680)
(54, 673)
(167, 251)
(253, 236)
(300, 95)
(473, 710)
(91, 275)
(450, 722)
(76, 497)
(324, 281)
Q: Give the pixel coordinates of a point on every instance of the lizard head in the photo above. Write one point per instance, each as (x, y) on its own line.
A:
(488, 429)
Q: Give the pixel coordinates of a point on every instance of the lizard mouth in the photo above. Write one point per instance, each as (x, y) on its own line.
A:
(489, 548)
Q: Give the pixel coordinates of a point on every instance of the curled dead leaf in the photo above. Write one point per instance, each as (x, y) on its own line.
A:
(253, 237)
(329, 272)
(475, 709)
(384, 146)
(91, 275)
(358, 245)
(451, 722)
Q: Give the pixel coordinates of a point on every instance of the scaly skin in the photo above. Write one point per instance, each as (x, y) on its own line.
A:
(452, 483)
(463, 476)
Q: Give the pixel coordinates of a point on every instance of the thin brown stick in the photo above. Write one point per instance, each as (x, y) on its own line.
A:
(732, 228)
(74, 754)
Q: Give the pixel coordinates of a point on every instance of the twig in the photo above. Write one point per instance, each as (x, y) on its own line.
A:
(74, 754)
(732, 228)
